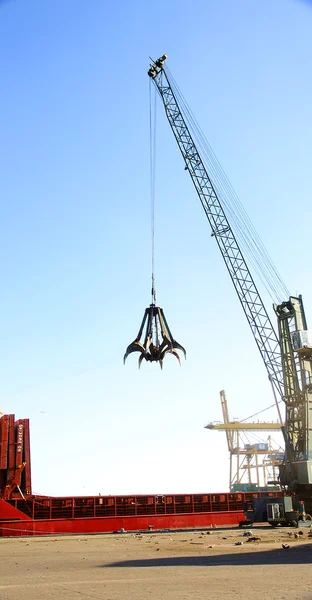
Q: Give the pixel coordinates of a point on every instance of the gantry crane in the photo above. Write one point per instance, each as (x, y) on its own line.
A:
(250, 460)
(286, 356)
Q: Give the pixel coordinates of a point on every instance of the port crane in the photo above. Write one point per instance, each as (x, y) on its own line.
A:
(251, 459)
(287, 355)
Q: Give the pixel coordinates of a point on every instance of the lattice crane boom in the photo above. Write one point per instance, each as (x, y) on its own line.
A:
(250, 299)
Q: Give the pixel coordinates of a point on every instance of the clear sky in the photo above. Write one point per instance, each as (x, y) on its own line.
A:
(75, 228)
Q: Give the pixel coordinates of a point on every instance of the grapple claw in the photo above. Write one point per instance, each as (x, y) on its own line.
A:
(133, 347)
(140, 360)
(174, 352)
(179, 347)
(158, 340)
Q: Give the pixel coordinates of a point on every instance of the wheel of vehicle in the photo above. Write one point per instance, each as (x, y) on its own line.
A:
(293, 523)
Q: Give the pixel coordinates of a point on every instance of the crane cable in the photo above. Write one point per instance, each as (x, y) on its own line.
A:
(152, 123)
(238, 217)
(244, 229)
(240, 222)
(260, 411)
(242, 225)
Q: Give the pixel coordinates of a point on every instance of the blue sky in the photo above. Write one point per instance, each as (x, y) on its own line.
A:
(75, 228)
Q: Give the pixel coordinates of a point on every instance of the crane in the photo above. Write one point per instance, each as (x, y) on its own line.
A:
(287, 356)
(245, 457)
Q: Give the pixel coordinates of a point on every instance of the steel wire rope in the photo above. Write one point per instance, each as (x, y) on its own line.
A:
(251, 433)
(280, 448)
(262, 263)
(259, 262)
(231, 418)
(260, 411)
(240, 232)
(152, 130)
(256, 436)
(224, 183)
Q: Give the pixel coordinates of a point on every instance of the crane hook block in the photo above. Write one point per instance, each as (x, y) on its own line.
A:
(154, 339)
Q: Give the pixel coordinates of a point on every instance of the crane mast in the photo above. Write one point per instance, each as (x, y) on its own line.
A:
(296, 353)
(290, 375)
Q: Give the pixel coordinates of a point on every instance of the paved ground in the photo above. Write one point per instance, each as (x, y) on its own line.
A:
(164, 566)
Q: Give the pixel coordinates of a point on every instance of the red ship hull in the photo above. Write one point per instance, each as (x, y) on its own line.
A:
(109, 525)
(22, 513)
(104, 514)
